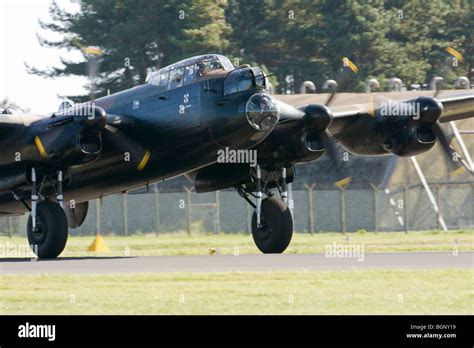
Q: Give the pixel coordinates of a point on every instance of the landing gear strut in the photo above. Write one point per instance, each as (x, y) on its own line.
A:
(272, 222)
(47, 228)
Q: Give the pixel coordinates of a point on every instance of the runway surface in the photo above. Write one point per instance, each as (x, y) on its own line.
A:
(221, 263)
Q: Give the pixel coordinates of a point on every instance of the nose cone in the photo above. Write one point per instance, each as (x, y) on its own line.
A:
(262, 111)
(317, 118)
(430, 109)
(95, 117)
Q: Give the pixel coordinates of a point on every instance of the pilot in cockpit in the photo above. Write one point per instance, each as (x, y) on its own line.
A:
(216, 65)
(204, 67)
(201, 69)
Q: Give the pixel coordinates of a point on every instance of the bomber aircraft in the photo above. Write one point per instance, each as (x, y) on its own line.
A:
(175, 124)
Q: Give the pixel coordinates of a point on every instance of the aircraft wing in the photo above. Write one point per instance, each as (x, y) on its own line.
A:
(346, 107)
(457, 107)
(349, 109)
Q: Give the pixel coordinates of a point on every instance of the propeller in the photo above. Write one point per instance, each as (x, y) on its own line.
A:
(457, 164)
(133, 152)
(92, 55)
(430, 120)
(342, 79)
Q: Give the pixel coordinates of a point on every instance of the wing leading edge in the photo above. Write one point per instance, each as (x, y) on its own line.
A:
(347, 107)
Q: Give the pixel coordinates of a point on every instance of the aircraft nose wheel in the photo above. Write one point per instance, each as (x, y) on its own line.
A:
(276, 226)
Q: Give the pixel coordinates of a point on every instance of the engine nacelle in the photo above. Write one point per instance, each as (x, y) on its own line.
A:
(65, 139)
(404, 128)
(72, 136)
(296, 142)
(411, 142)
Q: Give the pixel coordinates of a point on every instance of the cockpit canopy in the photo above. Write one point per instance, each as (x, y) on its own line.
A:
(188, 71)
(244, 79)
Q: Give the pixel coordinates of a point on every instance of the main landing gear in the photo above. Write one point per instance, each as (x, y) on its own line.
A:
(47, 225)
(272, 222)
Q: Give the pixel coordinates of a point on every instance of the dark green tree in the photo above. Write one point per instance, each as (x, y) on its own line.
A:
(282, 35)
(295, 40)
(358, 30)
(424, 31)
(461, 35)
(134, 36)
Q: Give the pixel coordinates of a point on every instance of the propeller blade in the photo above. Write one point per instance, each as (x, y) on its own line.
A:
(133, 152)
(92, 54)
(342, 79)
(343, 178)
(436, 84)
(456, 163)
(333, 85)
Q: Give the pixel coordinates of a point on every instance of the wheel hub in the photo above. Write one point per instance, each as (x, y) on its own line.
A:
(39, 234)
(265, 230)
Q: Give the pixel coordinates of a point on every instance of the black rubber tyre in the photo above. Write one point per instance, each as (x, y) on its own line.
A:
(52, 230)
(274, 236)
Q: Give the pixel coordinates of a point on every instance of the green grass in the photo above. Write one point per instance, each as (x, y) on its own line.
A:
(181, 244)
(442, 291)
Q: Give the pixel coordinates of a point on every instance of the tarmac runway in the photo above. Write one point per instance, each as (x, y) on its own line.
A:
(222, 263)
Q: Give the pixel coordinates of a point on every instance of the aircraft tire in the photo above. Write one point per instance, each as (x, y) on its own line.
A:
(274, 236)
(52, 234)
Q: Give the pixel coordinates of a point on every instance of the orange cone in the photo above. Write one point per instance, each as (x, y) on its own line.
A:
(99, 245)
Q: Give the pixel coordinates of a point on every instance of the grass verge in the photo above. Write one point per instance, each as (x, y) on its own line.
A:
(181, 244)
(441, 291)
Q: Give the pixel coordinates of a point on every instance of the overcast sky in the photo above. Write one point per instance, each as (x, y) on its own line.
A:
(19, 44)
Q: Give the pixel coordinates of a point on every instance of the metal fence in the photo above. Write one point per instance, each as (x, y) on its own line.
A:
(314, 210)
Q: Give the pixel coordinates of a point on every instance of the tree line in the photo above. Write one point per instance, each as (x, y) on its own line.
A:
(293, 40)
